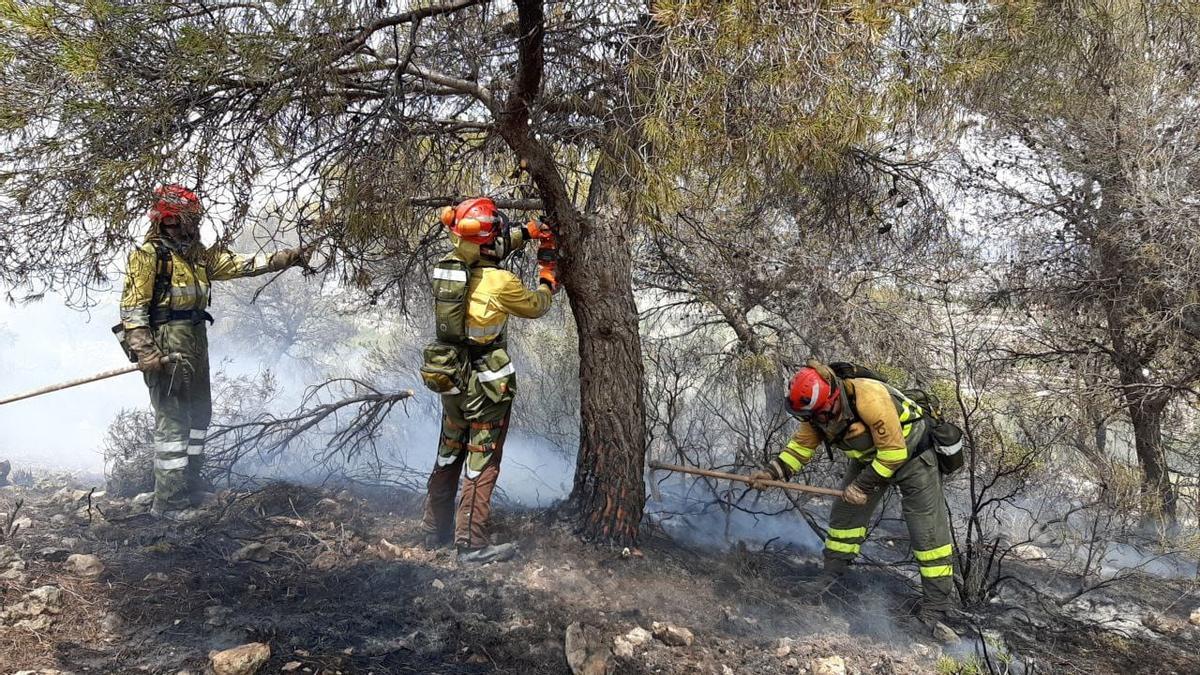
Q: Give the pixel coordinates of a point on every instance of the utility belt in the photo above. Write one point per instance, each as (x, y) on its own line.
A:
(450, 369)
(195, 316)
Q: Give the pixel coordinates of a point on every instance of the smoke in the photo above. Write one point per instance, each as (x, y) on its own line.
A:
(44, 343)
(688, 510)
(47, 342)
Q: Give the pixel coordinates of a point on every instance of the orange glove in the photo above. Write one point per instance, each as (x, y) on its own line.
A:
(547, 275)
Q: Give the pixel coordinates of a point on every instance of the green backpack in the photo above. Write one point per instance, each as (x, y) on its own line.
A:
(946, 436)
(446, 362)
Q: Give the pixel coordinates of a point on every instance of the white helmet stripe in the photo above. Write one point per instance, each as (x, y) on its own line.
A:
(812, 398)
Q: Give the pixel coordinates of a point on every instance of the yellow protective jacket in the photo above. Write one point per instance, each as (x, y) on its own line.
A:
(878, 425)
(190, 281)
(494, 294)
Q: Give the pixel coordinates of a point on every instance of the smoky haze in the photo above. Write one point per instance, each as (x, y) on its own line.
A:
(47, 342)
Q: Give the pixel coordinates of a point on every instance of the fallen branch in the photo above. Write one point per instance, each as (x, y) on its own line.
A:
(269, 434)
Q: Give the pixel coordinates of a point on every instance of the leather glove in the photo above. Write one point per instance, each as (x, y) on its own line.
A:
(141, 343)
(854, 494)
(862, 487)
(291, 257)
(757, 477)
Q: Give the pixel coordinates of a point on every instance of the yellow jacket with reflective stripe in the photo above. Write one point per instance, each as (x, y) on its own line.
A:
(880, 434)
(493, 294)
(189, 282)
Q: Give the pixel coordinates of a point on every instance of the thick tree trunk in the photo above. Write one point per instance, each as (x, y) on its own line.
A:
(595, 268)
(1145, 404)
(609, 492)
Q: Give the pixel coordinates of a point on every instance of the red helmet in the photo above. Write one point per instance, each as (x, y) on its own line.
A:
(475, 220)
(174, 200)
(810, 395)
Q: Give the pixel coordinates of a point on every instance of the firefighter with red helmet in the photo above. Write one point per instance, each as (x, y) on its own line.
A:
(164, 310)
(468, 364)
(885, 436)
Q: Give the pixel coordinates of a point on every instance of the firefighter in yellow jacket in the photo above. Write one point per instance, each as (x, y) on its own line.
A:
(885, 436)
(470, 367)
(163, 311)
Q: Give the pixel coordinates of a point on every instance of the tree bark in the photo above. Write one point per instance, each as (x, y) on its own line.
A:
(1147, 415)
(609, 494)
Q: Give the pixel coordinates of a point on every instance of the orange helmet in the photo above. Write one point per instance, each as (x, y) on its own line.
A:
(174, 200)
(475, 220)
(810, 396)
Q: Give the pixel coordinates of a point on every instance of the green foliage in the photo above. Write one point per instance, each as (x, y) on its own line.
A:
(971, 665)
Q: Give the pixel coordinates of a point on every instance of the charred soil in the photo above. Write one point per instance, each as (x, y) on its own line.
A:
(335, 582)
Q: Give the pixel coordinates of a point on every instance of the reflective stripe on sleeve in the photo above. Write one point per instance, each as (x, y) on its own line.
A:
(890, 456)
(166, 447)
(882, 469)
(136, 316)
(197, 434)
(449, 275)
(490, 375)
(851, 533)
(484, 331)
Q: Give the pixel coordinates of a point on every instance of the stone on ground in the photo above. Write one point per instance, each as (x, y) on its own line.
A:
(243, 660)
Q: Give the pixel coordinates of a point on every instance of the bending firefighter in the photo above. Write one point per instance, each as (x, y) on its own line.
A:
(469, 366)
(886, 437)
(163, 311)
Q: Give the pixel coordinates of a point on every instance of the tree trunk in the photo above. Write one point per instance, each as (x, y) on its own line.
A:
(1147, 414)
(609, 492)
(609, 495)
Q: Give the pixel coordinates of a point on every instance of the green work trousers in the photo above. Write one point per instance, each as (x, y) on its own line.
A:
(474, 426)
(182, 398)
(924, 510)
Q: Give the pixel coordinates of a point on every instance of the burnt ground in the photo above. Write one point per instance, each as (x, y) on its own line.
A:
(340, 587)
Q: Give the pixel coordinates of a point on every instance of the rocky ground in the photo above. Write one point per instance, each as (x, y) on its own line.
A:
(295, 579)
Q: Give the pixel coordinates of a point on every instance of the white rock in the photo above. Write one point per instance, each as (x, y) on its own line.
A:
(1029, 552)
(291, 666)
(673, 636)
(84, 564)
(622, 647)
(638, 636)
(243, 660)
(438, 584)
(23, 523)
(49, 597)
(14, 575)
(585, 655)
(157, 577)
(1194, 617)
(830, 665)
(783, 647)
